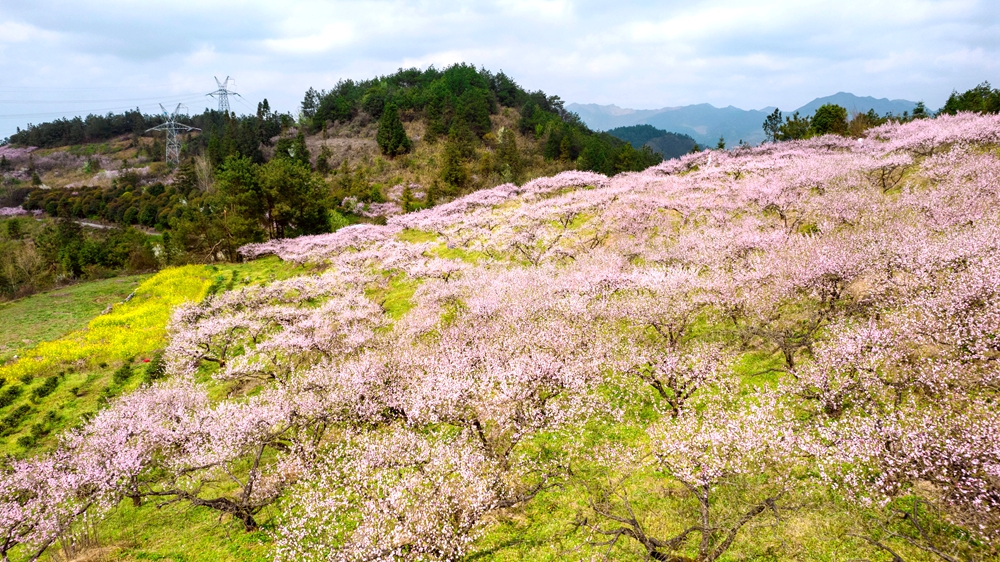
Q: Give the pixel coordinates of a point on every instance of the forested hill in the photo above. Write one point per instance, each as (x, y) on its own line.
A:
(667, 145)
(362, 151)
(455, 103)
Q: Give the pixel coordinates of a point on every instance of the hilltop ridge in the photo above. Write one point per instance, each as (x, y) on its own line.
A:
(706, 123)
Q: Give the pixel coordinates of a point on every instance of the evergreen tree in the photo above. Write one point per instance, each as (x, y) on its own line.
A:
(309, 104)
(430, 198)
(795, 127)
(186, 179)
(453, 171)
(240, 195)
(294, 149)
(531, 117)
(323, 160)
(474, 108)
(293, 199)
(829, 119)
(772, 125)
(407, 199)
(391, 136)
(981, 99)
(721, 145)
(374, 102)
(508, 157)
(462, 136)
(263, 109)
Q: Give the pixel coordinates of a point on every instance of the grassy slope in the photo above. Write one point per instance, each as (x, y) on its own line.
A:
(50, 315)
(81, 363)
(353, 142)
(543, 529)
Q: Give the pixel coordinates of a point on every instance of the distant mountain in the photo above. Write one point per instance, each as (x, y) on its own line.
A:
(671, 145)
(606, 117)
(858, 104)
(706, 123)
(668, 145)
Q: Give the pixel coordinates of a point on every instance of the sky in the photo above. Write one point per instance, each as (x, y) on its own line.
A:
(73, 57)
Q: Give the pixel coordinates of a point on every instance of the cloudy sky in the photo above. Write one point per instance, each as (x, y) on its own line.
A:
(68, 57)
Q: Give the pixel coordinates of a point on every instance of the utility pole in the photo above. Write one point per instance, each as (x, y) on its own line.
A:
(223, 92)
(171, 126)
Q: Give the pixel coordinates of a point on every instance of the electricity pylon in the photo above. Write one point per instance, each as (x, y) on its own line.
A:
(171, 126)
(223, 93)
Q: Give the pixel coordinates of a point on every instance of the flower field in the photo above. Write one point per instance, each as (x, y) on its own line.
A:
(127, 330)
(786, 352)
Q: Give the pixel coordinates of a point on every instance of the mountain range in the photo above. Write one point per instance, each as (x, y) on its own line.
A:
(706, 123)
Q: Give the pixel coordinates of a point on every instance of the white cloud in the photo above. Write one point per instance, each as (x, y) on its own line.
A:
(15, 32)
(544, 9)
(641, 54)
(333, 35)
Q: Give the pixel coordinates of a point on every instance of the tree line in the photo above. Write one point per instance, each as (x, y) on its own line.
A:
(834, 119)
(456, 104)
(258, 179)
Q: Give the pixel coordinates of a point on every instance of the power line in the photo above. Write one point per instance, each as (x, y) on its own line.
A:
(184, 96)
(78, 88)
(91, 110)
(171, 126)
(223, 93)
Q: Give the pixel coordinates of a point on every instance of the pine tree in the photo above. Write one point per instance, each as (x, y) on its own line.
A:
(772, 126)
(407, 199)
(391, 136)
(508, 157)
(453, 172)
(430, 198)
(323, 160)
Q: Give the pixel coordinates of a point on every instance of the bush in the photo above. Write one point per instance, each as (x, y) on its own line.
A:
(9, 423)
(830, 119)
(45, 388)
(10, 394)
(123, 374)
(156, 368)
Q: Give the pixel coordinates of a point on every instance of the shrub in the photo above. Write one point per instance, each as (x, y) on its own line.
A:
(10, 422)
(123, 374)
(46, 388)
(156, 368)
(8, 396)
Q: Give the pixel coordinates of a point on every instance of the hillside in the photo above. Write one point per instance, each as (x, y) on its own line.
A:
(764, 352)
(105, 202)
(667, 145)
(706, 123)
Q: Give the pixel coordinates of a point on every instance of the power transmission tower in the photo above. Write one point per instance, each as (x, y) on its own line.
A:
(223, 93)
(171, 126)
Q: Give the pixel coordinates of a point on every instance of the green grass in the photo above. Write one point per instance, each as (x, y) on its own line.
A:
(546, 528)
(396, 296)
(68, 373)
(53, 314)
(416, 236)
(180, 533)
